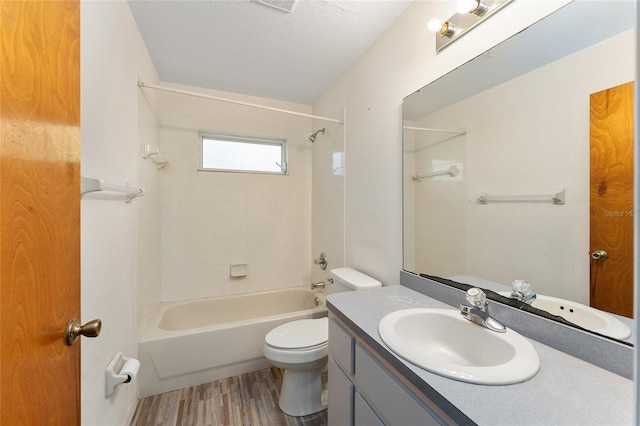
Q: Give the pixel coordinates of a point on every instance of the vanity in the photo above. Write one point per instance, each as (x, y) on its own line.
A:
(370, 385)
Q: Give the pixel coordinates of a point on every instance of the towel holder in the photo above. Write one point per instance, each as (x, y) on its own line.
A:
(557, 197)
(451, 171)
(88, 185)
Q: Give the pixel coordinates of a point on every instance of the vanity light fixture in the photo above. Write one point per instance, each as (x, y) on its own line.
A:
(470, 13)
(445, 29)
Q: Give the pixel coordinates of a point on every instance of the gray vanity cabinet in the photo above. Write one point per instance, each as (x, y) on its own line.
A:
(341, 376)
(364, 413)
(362, 391)
(341, 394)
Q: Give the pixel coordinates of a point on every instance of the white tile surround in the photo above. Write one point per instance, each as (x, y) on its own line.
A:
(441, 229)
(210, 220)
(328, 197)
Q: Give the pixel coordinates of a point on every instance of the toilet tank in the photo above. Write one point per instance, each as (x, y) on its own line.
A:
(347, 279)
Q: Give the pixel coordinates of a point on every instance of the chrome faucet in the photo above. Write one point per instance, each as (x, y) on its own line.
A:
(323, 260)
(521, 290)
(320, 284)
(479, 311)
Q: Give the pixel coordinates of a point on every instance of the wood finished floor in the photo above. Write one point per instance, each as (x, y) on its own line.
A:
(249, 399)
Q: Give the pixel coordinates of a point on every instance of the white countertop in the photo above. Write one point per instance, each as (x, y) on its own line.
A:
(566, 390)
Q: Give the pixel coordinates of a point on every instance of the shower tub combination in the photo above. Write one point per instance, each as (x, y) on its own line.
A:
(194, 342)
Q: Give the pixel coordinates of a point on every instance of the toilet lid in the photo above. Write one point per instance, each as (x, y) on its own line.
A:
(299, 334)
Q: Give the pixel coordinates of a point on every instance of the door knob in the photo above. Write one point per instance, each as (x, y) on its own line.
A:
(75, 329)
(599, 255)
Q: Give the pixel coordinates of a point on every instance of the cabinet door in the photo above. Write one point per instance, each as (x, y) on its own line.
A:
(390, 399)
(341, 345)
(341, 392)
(364, 414)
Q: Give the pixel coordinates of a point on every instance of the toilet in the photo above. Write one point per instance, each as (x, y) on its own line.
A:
(301, 349)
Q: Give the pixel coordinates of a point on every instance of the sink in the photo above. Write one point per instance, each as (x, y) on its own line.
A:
(443, 342)
(582, 315)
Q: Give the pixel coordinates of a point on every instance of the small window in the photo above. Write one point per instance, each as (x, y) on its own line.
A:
(231, 153)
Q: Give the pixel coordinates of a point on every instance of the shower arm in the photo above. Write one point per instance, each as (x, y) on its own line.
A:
(313, 137)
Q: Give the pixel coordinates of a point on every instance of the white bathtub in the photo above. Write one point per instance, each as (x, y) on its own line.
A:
(194, 342)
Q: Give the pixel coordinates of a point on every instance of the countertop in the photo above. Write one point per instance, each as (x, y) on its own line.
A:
(566, 390)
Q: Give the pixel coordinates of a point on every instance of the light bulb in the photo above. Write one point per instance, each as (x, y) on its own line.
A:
(445, 29)
(466, 6)
(434, 25)
(477, 7)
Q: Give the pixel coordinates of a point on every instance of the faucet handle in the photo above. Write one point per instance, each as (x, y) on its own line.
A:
(476, 297)
(322, 261)
(521, 289)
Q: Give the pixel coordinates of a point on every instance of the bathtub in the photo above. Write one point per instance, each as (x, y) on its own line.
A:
(193, 342)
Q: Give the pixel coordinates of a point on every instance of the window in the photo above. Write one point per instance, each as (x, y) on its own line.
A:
(232, 153)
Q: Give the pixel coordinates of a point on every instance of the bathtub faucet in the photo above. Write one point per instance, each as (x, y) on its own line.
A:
(319, 284)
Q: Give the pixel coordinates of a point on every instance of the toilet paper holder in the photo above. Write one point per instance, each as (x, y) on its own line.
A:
(127, 371)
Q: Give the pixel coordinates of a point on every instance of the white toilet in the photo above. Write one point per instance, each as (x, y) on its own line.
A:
(301, 349)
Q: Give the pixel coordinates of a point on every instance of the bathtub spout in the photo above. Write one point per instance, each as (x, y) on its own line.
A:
(320, 284)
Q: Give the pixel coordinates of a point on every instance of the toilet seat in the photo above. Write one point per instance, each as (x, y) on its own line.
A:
(300, 335)
(298, 358)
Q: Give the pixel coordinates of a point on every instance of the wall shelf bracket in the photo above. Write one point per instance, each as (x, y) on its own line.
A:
(88, 185)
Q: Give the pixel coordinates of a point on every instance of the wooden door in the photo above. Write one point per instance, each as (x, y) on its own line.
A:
(40, 211)
(612, 200)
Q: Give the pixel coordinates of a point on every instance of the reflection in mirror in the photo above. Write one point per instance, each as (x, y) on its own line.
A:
(521, 119)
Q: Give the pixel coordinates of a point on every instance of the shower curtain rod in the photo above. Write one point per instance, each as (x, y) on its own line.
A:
(231, 101)
(427, 129)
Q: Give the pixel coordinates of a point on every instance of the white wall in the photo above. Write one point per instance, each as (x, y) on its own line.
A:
(211, 220)
(112, 56)
(401, 61)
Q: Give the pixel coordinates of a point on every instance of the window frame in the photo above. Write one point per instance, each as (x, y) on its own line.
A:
(247, 139)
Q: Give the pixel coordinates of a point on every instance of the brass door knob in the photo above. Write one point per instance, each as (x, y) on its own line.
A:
(75, 329)
(599, 255)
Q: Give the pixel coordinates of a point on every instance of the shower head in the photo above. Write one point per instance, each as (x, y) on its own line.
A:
(312, 138)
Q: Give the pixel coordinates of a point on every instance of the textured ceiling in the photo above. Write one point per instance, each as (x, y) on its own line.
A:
(245, 47)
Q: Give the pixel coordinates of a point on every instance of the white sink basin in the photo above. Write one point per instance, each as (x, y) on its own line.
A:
(582, 315)
(443, 342)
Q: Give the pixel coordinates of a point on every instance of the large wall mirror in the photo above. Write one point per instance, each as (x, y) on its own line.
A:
(518, 165)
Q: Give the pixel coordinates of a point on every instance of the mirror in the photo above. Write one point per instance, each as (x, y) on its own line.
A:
(517, 121)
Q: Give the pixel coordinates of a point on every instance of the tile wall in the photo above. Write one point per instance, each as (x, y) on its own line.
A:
(211, 220)
(441, 226)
